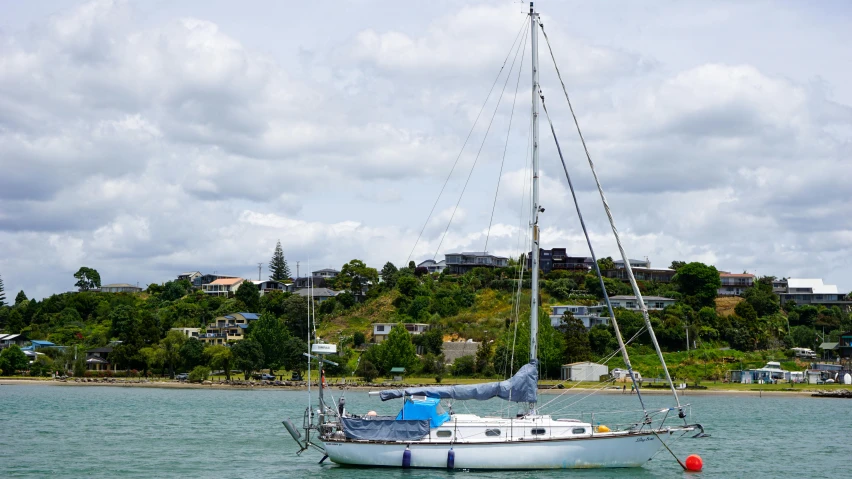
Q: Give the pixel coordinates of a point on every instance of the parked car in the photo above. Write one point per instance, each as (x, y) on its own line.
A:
(296, 376)
(182, 376)
(267, 377)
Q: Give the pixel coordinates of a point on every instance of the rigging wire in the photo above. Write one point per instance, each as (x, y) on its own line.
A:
(615, 230)
(524, 26)
(478, 153)
(506, 145)
(592, 252)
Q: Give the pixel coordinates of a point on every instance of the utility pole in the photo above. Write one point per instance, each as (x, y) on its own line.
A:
(297, 269)
(259, 265)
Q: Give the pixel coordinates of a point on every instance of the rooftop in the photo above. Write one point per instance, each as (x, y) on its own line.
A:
(724, 274)
(119, 285)
(227, 281)
(317, 292)
(815, 284)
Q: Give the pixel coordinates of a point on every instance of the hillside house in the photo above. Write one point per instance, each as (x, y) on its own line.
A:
(461, 263)
(559, 259)
(381, 330)
(734, 284)
(223, 286)
(231, 327)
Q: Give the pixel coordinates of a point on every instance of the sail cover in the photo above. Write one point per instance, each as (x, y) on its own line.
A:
(522, 387)
(384, 429)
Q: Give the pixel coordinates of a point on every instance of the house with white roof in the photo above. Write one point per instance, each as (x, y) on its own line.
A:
(809, 291)
(432, 266)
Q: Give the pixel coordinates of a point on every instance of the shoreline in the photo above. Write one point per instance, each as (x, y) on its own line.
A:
(375, 387)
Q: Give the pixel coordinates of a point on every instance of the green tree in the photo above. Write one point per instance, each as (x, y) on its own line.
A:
(249, 294)
(397, 350)
(154, 356)
(87, 278)
(296, 315)
(12, 359)
(271, 335)
(389, 274)
(199, 374)
(367, 371)
(358, 339)
(248, 356)
(600, 338)
(761, 297)
(172, 291)
(293, 357)
(745, 310)
(355, 276)
(676, 265)
(699, 283)
(577, 347)
(192, 353)
(278, 269)
(803, 337)
(606, 263)
(171, 345)
(220, 357)
(20, 297)
(464, 366)
(273, 302)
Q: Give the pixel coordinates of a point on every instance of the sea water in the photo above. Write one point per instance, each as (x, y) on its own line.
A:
(104, 432)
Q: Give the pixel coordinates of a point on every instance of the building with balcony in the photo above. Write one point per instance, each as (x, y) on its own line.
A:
(222, 286)
(734, 284)
(271, 285)
(653, 303)
(223, 329)
(188, 332)
(381, 330)
(810, 291)
(658, 275)
(461, 263)
(634, 263)
(558, 259)
(120, 288)
(589, 315)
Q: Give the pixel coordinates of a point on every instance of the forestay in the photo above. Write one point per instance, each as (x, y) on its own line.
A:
(522, 387)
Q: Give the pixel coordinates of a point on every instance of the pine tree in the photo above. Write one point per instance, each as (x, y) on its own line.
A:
(2, 293)
(278, 268)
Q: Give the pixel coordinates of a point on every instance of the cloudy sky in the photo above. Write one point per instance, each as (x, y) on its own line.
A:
(144, 139)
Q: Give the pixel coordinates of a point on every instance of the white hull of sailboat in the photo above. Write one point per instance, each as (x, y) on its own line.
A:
(632, 450)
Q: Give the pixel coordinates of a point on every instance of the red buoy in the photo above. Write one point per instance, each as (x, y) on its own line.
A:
(694, 463)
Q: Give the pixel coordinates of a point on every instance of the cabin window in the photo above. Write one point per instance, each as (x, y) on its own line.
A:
(492, 432)
(445, 434)
(578, 430)
(538, 431)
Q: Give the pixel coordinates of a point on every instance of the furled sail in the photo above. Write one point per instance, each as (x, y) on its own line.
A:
(522, 387)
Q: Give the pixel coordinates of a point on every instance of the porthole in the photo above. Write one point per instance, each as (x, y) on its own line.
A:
(538, 431)
(445, 434)
(492, 432)
(578, 430)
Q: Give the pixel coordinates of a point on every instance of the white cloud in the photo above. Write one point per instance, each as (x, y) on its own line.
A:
(144, 144)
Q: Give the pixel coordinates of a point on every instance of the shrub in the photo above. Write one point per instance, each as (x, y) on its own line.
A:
(358, 339)
(200, 373)
(463, 366)
(367, 371)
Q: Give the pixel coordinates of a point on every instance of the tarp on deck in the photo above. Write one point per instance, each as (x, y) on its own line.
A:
(385, 429)
(522, 387)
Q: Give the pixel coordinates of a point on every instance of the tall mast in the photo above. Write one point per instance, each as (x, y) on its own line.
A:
(535, 206)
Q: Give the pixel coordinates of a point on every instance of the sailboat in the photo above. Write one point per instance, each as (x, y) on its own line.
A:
(424, 435)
